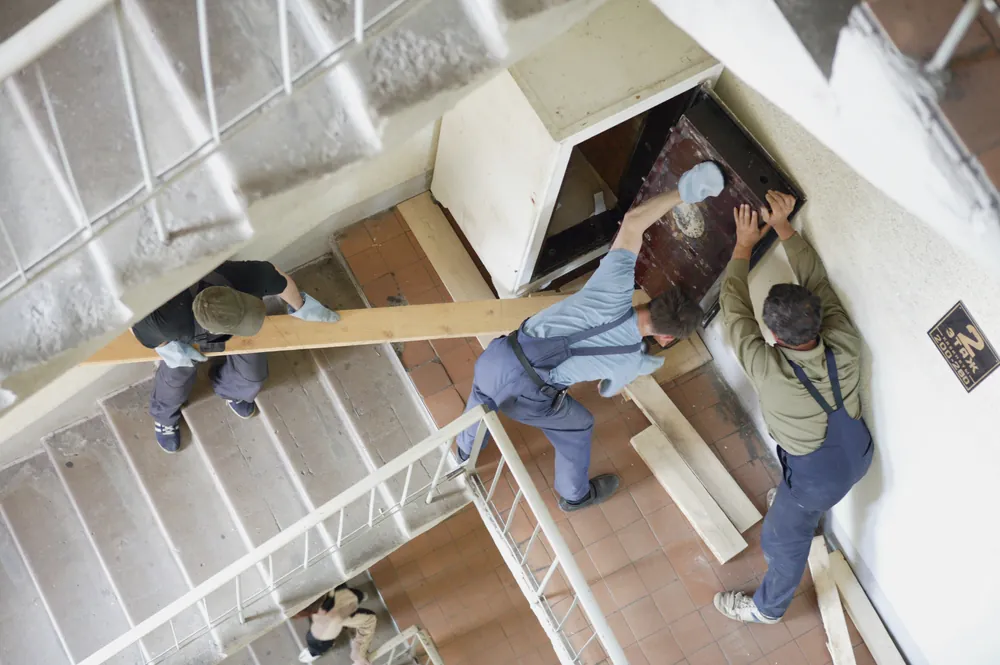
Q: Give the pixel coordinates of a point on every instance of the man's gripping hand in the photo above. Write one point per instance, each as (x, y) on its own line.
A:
(777, 217)
(179, 354)
(312, 310)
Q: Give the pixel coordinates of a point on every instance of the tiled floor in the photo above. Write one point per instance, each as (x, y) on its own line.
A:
(647, 568)
(392, 269)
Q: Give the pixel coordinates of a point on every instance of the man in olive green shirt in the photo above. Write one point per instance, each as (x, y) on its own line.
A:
(809, 389)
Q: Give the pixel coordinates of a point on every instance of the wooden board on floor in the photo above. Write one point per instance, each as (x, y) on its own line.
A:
(698, 506)
(863, 614)
(359, 326)
(685, 356)
(445, 251)
(838, 641)
(664, 414)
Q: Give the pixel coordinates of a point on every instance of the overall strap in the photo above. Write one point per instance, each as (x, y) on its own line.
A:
(521, 358)
(831, 365)
(804, 380)
(602, 350)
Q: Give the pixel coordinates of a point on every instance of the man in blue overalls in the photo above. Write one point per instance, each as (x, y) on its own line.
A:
(593, 335)
(809, 388)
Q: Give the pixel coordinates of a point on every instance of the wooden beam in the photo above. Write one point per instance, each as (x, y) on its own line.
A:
(446, 252)
(662, 412)
(359, 326)
(685, 356)
(838, 641)
(691, 497)
(863, 614)
(694, 501)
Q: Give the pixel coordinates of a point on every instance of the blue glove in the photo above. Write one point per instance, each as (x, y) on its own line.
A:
(179, 354)
(311, 310)
(702, 181)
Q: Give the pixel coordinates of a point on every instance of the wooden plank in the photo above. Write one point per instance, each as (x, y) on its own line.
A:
(863, 614)
(698, 506)
(838, 640)
(685, 356)
(446, 252)
(360, 326)
(662, 412)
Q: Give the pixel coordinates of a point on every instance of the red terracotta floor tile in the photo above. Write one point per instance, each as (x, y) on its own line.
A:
(384, 226)
(649, 496)
(367, 265)
(429, 297)
(416, 245)
(635, 655)
(626, 586)
(739, 647)
(413, 279)
(459, 363)
(734, 450)
(416, 353)
(353, 240)
(862, 656)
(813, 646)
(661, 648)
(770, 637)
(715, 422)
(590, 525)
(398, 252)
(620, 627)
(718, 625)
(608, 555)
(753, 478)
(644, 619)
(786, 655)
(670, 526)
(383, 291)
(700, 392)
(620, 510)
(691, 633)
(803, 614)
(673, 602)
(694, 568)
(655, 571)
(447, 345)
(445, 406)
(430, 378)
(638, 540)
(710, 655)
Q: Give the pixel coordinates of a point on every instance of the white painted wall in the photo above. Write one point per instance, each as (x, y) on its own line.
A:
(918, 528)
(868, 113)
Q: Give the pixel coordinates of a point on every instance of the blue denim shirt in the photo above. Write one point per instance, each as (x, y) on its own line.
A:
(606, 296)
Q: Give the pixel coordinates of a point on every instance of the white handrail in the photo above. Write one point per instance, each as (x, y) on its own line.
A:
(407, 638)
(562, 555)
(45, 31)
(287, 536)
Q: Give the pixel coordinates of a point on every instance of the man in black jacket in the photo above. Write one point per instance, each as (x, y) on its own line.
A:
(226, 302)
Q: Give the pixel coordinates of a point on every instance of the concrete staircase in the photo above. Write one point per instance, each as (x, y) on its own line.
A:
(105, 193)
(102, 528)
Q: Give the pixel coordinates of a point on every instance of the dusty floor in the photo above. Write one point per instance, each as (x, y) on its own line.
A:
(649, 571)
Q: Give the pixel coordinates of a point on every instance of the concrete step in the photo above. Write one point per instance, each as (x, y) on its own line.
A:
(195, 518)
(26, 632)
(60, 559)
(125, 531)
(258, 485)
(281, 646)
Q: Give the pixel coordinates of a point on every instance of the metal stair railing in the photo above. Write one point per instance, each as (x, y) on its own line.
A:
(413, 642)
(24, 49)
(543, 565)
(436, 449)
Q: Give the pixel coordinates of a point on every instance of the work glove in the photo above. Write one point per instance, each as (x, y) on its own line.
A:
(312, 310)
(179, 354)
(700, 182)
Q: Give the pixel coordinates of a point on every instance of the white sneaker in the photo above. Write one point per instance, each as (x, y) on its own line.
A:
(771, 493)
(738, 606)
(306, 657)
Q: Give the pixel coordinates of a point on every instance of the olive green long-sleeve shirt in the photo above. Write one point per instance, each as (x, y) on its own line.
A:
(793, 417)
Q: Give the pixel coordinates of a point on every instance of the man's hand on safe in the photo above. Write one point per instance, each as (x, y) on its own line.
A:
(781, 206)
(748, 233)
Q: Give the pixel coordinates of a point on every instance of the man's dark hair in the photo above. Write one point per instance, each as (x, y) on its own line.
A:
(793, 313)
(673, 313)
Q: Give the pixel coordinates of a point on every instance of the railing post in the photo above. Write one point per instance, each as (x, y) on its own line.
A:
(445, 449)
(477, 446)
(239, 600)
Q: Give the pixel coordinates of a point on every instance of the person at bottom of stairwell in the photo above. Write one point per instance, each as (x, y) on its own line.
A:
(224, 303)
(809, 389)
(595, 334)
(330, 615)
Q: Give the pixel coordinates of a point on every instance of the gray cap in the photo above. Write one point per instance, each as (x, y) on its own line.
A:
(225, 311)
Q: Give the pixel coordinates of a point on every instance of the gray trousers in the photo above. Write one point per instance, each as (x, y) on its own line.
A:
(237, 378)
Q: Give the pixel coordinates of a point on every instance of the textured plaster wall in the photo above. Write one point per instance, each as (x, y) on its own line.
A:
(917, 528)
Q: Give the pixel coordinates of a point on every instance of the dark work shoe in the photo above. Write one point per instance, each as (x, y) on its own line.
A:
(243, 409)
(601, 489)
(168, 436)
